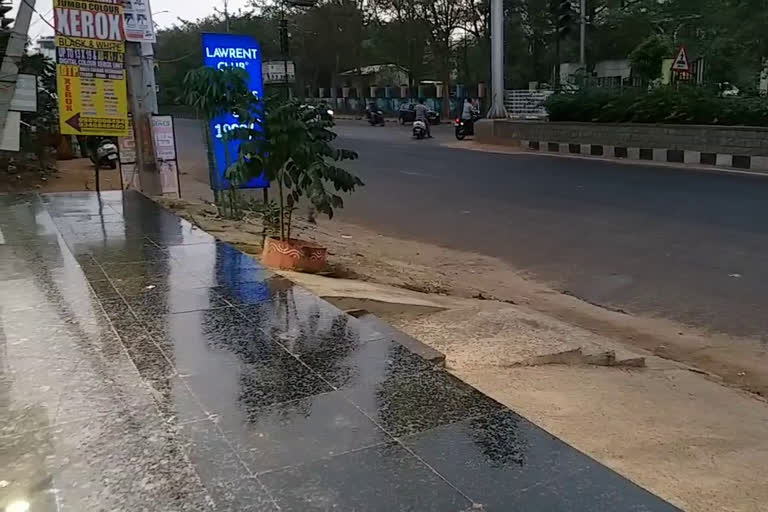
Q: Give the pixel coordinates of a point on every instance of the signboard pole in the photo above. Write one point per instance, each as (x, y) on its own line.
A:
(142, 100)
(13, 52)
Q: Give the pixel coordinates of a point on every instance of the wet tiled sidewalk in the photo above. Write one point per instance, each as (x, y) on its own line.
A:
(146, 367)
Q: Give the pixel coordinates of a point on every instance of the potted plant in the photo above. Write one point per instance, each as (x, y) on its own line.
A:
(291, 144)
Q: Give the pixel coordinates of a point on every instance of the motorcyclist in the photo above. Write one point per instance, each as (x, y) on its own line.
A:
(468, 109)
(421, 115)
(371, 111)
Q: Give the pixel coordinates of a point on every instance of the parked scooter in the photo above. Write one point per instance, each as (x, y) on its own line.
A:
(419, 129)
(105, 154)
(466, 127)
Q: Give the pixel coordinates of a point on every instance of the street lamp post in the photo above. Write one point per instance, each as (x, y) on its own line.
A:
(497, 110)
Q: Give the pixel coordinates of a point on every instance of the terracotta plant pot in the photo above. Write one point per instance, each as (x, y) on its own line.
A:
(294, 255)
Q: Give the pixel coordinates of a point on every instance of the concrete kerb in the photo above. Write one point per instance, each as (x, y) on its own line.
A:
(514, 149)
(635, 151)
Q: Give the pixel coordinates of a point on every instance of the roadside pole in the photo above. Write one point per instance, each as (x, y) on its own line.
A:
(142, 104)
(9, 70)
(582, 34)
(497, 110)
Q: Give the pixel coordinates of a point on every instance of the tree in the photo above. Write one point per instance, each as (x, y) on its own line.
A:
(213, 92)
(287, 142)
(291, 145)
(646, 58)
(443, 17)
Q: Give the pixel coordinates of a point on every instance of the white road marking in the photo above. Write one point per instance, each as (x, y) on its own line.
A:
(414, 173)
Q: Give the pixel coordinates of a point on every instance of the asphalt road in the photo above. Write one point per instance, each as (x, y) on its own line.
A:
(684, 245)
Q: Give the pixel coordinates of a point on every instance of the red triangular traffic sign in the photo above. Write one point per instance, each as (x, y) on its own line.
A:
(681, 62)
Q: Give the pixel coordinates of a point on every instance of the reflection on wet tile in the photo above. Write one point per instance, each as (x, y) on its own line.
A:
(374, 362)
(130, 461)
(406, 405)
(211, 340)
(496, 457)
(260, 384)
(299, 431)
(300, 321)
(159, 301)
(382, 478)
(182, 234)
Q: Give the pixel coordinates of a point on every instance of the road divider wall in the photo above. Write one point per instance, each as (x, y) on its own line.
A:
(729, 147)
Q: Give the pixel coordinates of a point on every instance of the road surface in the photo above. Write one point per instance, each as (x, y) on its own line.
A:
(684, 245)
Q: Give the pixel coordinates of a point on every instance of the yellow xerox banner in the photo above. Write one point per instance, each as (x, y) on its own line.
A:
(90, 52)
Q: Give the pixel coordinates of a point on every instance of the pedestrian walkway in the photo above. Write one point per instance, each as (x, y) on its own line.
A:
(144, 366)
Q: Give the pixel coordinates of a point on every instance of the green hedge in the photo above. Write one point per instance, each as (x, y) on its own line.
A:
(685, 105)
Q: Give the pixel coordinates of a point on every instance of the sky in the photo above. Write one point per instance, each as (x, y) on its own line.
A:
(186, 9)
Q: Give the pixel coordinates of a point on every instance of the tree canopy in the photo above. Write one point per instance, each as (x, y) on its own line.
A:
(448, 40)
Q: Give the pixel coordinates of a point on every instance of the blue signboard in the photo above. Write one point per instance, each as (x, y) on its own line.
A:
(219, 51)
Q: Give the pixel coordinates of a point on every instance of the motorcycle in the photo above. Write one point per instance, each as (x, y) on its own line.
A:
(419, 129)
(106, 154)
(375, 117)
(464, 127)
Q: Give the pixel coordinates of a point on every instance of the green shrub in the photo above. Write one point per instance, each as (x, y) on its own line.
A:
(683, 105)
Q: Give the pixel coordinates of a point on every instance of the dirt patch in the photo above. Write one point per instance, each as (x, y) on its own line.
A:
(70, 176)
(358, 253)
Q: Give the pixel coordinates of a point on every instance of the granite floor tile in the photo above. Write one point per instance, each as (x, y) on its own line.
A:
(221, 339)
(405, 405)
(54, 342)
(59, 393)
(91, 269)
(245, 495)
(260, 384)
(130, 461)
(129, 286)
(382, 478)
(149, 360)
(229, 277)
(183, 234)
(597, 490)
(141, 250)
(299, 431)
(302, 322)
(154, 302)
(210, 453)
(175, 402)
(104, 289)
(355, 365)
(493, 459)
(158, 271)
